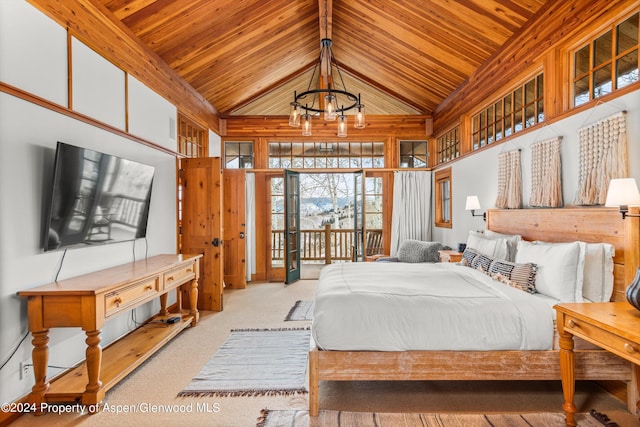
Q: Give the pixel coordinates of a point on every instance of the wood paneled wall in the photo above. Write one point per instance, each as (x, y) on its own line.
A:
(554, 24)
(92, 24)
(377, 127)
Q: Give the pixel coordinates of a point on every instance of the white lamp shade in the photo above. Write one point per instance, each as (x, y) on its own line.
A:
(622, 191)
(472, 203)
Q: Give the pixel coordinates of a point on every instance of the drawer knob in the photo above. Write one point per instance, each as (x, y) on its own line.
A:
(572, 323)
(629, 348)
(117, 301)
(148, 288)
(170, 278)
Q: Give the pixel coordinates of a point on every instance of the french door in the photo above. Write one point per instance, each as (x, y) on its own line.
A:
(292, 226)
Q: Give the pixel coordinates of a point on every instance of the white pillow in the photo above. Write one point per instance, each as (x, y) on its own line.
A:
(598, 272)
(560, 268)
(496, 248)
(512, 241)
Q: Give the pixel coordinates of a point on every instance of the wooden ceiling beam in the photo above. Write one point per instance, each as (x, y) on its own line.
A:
(325, 12)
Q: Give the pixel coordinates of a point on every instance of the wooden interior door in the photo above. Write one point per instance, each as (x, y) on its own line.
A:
(234, 189)
(202, 226)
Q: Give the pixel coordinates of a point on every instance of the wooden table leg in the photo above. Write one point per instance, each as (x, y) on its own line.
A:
(179, 299)
(163, 305)
(40, 356)
(567, 369)
(193, 302)
(93, 393)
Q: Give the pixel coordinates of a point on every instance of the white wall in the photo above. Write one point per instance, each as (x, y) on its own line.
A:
(95, 78)
(215, 144)
(477, 174)
(34, 51)
(28, 137)
(150, 115)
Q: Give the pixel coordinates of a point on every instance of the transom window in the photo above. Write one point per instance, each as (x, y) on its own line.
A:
(448, 145)
(326, 155)
(520, 109)
(607, 63)
(192, 138)
(413, 154)
(238, 155)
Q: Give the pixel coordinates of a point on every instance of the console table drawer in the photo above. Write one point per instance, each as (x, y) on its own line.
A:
(179, 275)
(605, 339)
(122, 298)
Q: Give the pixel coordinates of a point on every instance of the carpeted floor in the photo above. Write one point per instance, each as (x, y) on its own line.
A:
(149, 394)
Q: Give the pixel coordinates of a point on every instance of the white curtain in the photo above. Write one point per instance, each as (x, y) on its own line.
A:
(603, 156)
(250, 225)
(411, 217)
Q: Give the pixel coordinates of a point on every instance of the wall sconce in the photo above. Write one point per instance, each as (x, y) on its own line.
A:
(472, 204)
(623, 192)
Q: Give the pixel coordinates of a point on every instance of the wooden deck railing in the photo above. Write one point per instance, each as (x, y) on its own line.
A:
(313, 244)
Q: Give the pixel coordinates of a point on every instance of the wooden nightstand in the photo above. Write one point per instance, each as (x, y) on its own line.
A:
(450, 256)
(613, 326)
(374, 258)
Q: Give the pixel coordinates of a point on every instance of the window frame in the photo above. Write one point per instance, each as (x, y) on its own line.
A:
(485, 122)
(411, 144)
(345, 155)
(611, 63)
(448, 145)
(239, 156)
(443, 208)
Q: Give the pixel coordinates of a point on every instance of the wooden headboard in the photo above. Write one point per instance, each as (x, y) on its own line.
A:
(589, 225)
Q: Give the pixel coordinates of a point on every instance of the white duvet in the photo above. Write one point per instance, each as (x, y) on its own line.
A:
(441, 306)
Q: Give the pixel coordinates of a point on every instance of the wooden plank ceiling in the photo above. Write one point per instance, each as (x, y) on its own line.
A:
(248, 56)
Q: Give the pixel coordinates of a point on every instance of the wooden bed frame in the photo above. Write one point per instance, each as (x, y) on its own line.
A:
(589, 225)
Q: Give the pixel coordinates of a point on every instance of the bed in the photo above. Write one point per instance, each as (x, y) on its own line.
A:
(340, 357)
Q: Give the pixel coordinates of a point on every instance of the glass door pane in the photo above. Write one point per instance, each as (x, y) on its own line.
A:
(292, 226)
(358, 217)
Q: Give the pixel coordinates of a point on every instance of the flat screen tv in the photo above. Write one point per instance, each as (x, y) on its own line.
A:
(96, 198)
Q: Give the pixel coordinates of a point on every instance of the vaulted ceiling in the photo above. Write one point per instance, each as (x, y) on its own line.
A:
(248, 56)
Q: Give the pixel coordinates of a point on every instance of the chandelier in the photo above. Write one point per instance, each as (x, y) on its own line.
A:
(326, 94)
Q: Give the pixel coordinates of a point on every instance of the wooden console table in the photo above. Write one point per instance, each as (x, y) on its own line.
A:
(88, 301)
(613, 326)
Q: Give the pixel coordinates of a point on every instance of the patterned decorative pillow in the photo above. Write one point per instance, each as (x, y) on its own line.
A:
(469, 255)
(523, 276)
(483, 261)
(503, 279)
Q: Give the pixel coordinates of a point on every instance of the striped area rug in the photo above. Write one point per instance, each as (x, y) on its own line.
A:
(291, 418)
(255, 362)
(301, 310)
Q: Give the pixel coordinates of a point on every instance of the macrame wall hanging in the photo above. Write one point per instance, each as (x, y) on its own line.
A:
(509, 181)
(603, 156)
(546, 174)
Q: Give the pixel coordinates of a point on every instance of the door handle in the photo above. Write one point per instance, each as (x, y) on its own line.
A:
(215, 242)
(242, 234)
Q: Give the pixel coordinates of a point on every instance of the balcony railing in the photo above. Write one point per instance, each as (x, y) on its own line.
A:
(314, 246)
